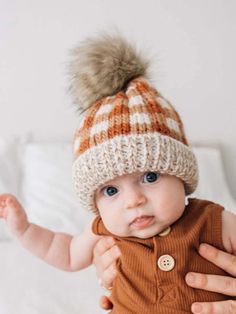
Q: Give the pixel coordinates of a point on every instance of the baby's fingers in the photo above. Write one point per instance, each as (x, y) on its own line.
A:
(3, 205)
(14, 214)
(2, 212)
(228, 306)
(7, 206)
(7, 200)
(2, 201)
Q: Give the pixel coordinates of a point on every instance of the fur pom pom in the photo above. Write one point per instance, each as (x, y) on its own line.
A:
(101, 67)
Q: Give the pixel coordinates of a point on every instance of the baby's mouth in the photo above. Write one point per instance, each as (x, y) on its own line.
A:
(142, 222)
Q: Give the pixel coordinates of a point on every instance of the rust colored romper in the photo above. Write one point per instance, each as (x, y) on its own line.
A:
(151, 271)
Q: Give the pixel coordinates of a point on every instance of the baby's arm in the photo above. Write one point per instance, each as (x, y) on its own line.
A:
(58, 249)
(228, 231)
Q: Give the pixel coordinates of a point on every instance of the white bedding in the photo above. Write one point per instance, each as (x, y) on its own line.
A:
(29, 286)
(40, 175)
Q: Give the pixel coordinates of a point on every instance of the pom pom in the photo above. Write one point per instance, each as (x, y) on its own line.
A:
(102, 66)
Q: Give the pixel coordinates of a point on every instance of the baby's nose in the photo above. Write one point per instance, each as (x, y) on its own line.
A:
(134, 199)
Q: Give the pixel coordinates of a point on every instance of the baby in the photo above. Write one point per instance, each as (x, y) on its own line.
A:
(134, 169)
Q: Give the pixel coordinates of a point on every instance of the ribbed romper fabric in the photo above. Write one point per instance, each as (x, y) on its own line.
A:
(142, 287)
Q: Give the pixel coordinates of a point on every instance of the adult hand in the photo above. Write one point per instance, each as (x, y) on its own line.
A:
(221, 284)
(106, 253)
(105, 256)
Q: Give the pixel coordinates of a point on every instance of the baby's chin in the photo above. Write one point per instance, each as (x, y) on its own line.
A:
(142, 233)
(149, 232)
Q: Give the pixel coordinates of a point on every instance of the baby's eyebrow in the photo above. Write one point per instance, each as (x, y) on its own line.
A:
(111, 182)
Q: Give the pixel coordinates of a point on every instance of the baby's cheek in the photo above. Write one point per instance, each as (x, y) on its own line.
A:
(168, 216)
(108, 220)
(116, 227)
(175, 213)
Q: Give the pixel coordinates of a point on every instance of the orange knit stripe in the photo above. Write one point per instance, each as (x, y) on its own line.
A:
(122, 112)
(118, 120)
(103, 136)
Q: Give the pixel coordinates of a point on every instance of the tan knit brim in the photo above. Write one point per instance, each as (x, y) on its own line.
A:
(128, 154)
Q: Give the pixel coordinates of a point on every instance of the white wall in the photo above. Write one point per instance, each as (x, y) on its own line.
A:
(194, 42)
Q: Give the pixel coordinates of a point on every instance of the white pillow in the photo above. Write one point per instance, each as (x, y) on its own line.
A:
(9, 167)
(47, 192)
(9, 172)
(212, 182)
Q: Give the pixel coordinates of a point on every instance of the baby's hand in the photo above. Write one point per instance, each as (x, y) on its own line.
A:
(14, 214)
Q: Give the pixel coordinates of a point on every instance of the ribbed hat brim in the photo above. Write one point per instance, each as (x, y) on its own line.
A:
(128, 154)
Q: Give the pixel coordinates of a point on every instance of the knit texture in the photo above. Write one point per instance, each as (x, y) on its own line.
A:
(141, 287)
(135, 130)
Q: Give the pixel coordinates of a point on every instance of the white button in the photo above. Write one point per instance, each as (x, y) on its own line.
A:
(165, 232)
(166, 262)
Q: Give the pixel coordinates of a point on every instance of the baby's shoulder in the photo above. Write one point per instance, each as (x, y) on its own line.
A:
(204, 208)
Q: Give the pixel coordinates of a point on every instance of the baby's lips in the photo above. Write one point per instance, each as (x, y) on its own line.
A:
(141, 218)
(142, 221)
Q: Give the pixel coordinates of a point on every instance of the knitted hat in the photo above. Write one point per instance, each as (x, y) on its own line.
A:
(127, 125)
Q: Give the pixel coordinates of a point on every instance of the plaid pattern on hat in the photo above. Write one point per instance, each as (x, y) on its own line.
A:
(139, 110)
(134, 130)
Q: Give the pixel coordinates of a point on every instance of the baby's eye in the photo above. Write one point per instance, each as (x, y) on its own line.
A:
(110, 191)
(150, 177)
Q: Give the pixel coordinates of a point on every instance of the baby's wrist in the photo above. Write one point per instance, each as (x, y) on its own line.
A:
(20, 230)
(24, 228)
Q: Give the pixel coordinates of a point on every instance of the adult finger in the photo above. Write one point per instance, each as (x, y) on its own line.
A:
(215, 283)
(228, 307)
(107, 277)
(222, 259)
(100, 251)
(104, 244)
(104, 258)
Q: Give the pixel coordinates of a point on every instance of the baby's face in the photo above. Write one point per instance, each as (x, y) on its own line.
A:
(140, 204)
